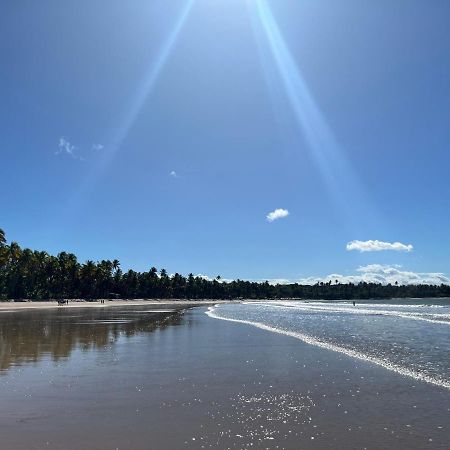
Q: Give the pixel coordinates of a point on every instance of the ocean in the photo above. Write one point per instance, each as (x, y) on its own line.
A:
(267, 375)
(411, 337)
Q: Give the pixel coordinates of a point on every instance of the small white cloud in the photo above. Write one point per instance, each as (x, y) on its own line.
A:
(173, 174)
(377, 246)
(277, 214)
(384, 274)
(65, 147)
(208, 278)
(274, 281)
(97, 147)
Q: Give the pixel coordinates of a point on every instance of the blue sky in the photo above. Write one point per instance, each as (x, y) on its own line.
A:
(164, 132)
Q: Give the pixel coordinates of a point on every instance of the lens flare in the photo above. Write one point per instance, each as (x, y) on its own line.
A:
(341, 182)
(140, 98)
(150, 80)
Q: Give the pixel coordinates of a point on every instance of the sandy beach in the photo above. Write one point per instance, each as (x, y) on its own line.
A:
(23, 305)
(130, 377)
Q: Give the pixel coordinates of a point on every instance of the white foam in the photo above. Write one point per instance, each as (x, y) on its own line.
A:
(349, 302)
(348, 352)
(441, 319)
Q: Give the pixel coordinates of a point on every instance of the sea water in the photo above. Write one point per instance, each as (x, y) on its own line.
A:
(408, 336)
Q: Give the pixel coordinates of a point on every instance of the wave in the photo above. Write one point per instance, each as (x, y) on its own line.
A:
(346, 303)
(360, 310)
(437, 381)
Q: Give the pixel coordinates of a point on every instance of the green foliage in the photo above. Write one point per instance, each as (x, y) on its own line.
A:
(36, 275)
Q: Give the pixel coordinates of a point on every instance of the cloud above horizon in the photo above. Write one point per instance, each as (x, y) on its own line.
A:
(208, 278)
(378, 246)
(97, 147)
(279, 213)
(173, 174)
(65, 147)
(384, 274)
(372, 273)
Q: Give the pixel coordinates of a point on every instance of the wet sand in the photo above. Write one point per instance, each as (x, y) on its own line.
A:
(13, 306)
(116, 378)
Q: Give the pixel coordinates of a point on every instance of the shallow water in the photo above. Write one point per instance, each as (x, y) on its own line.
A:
(55, 334)
(411, 337)
(114, 379)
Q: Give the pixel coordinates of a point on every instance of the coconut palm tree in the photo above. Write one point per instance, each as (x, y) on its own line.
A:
(115, 265)
(3, 251)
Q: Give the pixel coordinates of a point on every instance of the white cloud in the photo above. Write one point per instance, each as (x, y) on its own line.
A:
(274, 281)
(384, 274)
(277, 214)
(65, 147)
(173, 174)
(372, 273)
(208, 278)
(377, 246)
(97, 147)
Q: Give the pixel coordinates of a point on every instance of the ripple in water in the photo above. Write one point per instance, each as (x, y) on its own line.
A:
(410, 339)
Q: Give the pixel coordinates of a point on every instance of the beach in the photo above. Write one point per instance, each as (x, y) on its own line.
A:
(223, 225)
(126, 378)
(21, 305)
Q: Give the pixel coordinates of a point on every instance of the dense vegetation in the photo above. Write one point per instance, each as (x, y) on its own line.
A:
(28, 274)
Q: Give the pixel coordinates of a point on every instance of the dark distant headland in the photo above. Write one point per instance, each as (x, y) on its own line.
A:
(36, 275)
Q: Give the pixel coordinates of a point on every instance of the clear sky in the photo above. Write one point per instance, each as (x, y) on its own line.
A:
(164, 133)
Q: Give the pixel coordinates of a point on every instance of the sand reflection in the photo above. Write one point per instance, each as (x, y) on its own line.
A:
(27, 336)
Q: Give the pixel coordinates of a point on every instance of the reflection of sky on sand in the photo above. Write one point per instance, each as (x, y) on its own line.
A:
(288, 395)
(258, 419)
(214, 384)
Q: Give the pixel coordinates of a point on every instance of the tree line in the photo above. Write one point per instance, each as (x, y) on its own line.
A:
(37, 275)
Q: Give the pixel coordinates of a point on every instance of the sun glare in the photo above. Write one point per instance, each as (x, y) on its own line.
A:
(342, 184)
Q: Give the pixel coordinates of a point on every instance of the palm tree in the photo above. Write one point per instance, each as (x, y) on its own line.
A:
(36, 274)
(3, 251)
(14, 251)
(88, 277)
(115, 265)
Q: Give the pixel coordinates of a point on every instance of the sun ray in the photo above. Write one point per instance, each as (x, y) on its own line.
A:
(140, 98)
(151, 78)
(341, 182)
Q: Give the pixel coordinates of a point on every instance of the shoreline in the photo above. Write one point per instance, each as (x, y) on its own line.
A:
(50, 304)
(225, 385)
(11, 305)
